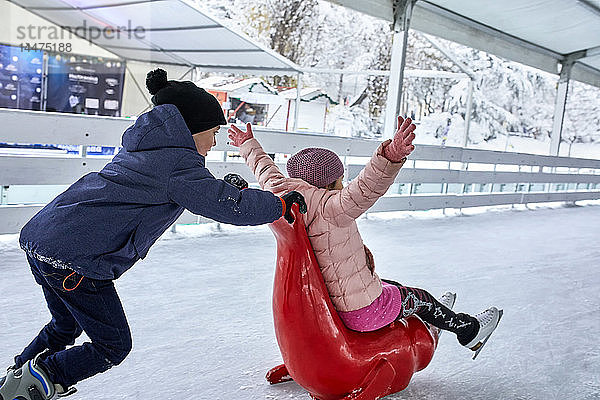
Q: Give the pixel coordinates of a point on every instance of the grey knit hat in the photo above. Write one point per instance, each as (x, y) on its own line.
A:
(317, 166)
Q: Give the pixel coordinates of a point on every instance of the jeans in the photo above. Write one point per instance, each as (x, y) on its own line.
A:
(77, 305)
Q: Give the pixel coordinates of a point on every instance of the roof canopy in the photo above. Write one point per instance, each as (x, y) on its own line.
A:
(537, 33)
(161, 31)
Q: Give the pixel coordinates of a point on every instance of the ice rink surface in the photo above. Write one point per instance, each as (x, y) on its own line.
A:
(200, 308)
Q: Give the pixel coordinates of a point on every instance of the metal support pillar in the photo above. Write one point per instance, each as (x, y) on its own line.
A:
(559, 107)
(298, 99)
(402, 14)
(468, 112)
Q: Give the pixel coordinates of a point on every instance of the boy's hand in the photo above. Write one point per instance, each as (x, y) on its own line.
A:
(238, 136)
(236, 180)
(401, 146)
(289, 199)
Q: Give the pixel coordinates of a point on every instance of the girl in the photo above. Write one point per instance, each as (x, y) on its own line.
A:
(363, 301)
(105, 222)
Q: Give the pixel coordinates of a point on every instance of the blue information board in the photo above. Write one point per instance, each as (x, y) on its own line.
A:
(85, 85)
(20, 78)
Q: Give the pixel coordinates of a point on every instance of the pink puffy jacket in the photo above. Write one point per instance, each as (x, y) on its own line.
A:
(331, 222)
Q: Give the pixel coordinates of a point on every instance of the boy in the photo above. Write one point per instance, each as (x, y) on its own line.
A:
(99, 227)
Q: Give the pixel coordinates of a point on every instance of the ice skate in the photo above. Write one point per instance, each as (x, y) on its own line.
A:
(3, 379)
(488, 321)
(448, 299)
(31, 382)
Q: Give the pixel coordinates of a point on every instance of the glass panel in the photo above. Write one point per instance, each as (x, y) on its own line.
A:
(504, 187)
(427, 188)
(537, 187)
(454, 187)
(402, 188)
(482, 187)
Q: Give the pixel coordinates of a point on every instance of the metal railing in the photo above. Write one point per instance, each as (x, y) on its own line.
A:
(468, 178)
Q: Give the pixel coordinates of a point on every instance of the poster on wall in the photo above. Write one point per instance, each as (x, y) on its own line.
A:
(20, 78)
(85, 85)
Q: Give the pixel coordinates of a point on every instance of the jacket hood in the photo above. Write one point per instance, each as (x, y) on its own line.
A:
(161, 127)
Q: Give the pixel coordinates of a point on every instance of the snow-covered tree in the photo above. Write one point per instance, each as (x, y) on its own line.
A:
(582, 114)
(508, 97)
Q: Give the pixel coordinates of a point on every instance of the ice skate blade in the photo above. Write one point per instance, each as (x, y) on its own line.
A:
(479, 346)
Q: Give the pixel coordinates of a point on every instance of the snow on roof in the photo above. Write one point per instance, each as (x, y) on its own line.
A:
(246, 90)
(304, 93)
(252, 90)
(228, 84)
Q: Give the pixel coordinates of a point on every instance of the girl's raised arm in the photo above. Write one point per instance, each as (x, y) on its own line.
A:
(375, 178)
(263, 167)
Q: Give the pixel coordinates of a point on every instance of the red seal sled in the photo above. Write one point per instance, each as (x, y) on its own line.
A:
(327, 359)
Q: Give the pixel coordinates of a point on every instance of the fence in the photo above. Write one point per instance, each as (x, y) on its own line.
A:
(436, 177)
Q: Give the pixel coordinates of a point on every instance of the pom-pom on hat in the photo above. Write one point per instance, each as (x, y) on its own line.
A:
(317, 166)
(200, 109)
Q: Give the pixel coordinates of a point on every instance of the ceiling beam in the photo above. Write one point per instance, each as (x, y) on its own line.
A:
(590, 6)
(429, 18)
(586, 74)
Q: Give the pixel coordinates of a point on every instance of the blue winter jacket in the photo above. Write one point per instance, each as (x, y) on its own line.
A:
(107, 220)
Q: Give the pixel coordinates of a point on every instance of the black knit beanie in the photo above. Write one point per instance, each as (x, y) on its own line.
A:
(200, 109)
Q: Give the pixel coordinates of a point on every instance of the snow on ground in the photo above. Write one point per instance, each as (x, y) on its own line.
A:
(199, 307)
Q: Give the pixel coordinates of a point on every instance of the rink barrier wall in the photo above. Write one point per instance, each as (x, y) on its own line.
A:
(25, 127)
